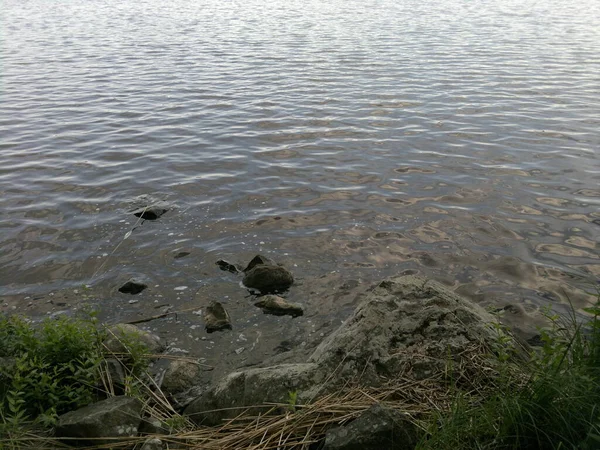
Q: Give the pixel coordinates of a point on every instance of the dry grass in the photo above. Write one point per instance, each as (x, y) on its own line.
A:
(285, 426)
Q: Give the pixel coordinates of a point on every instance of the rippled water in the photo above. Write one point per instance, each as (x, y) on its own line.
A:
(459, 139)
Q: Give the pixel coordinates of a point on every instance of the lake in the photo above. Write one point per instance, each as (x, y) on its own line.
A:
(347, 140)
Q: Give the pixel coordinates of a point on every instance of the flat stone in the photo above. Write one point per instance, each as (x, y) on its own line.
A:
(216, 318)
(121, 335)
(132, 287)
(377, 428)
(227, 266)
(180, 376)
(278, 306)
(268, 279)
(150, 212)
(115, 417)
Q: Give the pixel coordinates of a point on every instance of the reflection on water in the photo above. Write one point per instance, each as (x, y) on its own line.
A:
(456, 139)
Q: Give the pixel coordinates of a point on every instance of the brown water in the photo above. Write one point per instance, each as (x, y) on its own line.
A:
(348, 140)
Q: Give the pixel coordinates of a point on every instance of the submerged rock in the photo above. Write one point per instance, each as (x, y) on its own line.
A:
(273, 304)
(216, 318)
(111, 418)
(259, 260)
(377, 428)
(180, 255)
(132, 287)
(268, 278)
(150, 212)
(123, 336)
(227, 266)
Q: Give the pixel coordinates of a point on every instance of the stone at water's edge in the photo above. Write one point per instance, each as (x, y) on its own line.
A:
(216, 318)
(132, 287)
(150, 212)
(377, 428)
(268, 278)
(273, 304)
(227, 266)
(259, 260)
(121, 335)
(115, 417)
(180, 376)
(407, 325)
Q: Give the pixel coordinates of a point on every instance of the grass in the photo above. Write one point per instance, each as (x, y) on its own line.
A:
(492, 398)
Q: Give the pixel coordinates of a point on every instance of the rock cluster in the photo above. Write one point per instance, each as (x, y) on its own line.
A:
(407, 325)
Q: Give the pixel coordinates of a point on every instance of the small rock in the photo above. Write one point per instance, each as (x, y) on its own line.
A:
(181, 255)
(124, 334)
(150, 212)
(180, 376)
(115, 373)
(273, 304)
(216, 318)
(259, 260)
(111, 418)
(132, 287)
(268, 278)
(227, 266)
(377, 428)
(153, 444)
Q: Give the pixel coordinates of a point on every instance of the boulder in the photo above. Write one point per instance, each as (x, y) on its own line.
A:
(123, 336)
(150, 212)
(273, 304)
(268, 278)
(375, 429)
(180, 376)
(132, 287)
(257, 261)
(115, 417)
(407, 325)
(216, 318)
(255, 387)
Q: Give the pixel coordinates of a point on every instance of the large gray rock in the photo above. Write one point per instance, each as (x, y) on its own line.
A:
(375, 429)
(406, 326)
(115, 417)
(255, 387)
(268, 278)
(180, 376)
(121, 337)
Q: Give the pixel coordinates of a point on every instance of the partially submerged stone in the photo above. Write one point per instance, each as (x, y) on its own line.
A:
(216, 318)
(268, 278)
(227, 266)
(132, 287)
(278, 306)
(115, 417)
(377, 428)
(257, 261)
(121, 338)
(150, 212)
(180, 255)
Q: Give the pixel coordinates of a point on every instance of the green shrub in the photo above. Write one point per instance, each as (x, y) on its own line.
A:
(49, 369)
(557, 407)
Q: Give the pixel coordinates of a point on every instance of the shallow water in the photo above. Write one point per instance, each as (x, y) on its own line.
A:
(365, 138)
